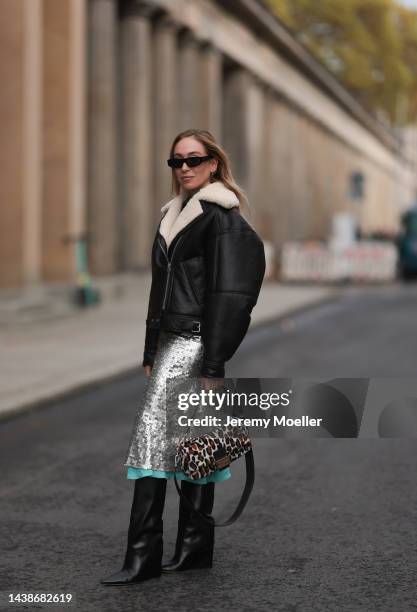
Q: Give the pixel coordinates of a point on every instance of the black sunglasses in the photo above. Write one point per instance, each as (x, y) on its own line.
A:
(192, 162)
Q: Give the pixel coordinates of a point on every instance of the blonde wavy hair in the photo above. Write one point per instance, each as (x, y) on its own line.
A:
(223, 172)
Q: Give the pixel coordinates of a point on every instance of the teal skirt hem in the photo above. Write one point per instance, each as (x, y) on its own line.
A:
(218, 476)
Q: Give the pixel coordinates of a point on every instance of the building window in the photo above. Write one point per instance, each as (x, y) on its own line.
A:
(356, 186)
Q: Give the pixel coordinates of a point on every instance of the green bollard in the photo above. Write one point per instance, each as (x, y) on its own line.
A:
(85, 294)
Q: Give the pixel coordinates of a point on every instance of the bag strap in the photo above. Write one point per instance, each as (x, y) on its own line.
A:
(250, 479)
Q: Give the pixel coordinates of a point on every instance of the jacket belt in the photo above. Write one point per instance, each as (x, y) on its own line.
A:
(181, 323)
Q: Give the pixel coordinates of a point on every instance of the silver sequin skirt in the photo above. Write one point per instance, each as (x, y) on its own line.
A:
(155, 430)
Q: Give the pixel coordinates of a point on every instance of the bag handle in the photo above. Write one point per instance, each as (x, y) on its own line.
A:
(250, 479)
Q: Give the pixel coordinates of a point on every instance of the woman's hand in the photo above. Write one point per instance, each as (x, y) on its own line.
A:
(148, 370)
(211, 383)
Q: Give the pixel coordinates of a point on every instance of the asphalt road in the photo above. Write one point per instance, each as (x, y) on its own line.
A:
(331, 522)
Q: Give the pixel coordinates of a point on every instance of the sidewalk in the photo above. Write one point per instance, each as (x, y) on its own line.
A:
(46, 356)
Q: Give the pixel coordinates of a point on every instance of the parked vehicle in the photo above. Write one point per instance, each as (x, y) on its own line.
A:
(407, 245)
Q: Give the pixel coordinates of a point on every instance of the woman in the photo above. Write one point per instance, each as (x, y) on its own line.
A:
(207, 269)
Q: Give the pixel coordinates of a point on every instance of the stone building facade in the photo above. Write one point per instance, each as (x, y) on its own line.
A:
(94, 91)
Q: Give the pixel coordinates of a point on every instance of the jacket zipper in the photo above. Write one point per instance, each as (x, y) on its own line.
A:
(169, 263)
(172, 255)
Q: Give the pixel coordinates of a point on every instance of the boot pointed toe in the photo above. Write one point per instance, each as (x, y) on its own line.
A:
(190, 560)
(128, 577)
(170, 566)
(121, 577)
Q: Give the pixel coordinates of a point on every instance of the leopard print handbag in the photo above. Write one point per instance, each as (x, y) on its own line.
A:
(200, 456)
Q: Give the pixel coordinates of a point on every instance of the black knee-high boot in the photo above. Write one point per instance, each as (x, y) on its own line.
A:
(195, 538)
(144, 543)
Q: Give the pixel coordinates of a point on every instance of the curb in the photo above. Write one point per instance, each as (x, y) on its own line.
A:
(298, 310)
(77, 389)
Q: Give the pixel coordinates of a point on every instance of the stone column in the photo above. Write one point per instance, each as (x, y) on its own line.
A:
(189, 90)
(235, 122)
(103, 202)
(166, 124)
(315, 151)
(278, 151)
(32, 125)
(78, 120)
(244, 133)
(211, 90)
(296, 175)
(255, 144)
(63, 217)
(137, 146)
(266, 198)
(20, 146)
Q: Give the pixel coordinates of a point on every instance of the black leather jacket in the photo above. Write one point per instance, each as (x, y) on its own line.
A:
(208, 279)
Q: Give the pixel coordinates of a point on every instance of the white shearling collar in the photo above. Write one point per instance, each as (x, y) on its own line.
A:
(176, 219)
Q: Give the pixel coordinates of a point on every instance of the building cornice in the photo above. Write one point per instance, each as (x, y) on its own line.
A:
(258, 17)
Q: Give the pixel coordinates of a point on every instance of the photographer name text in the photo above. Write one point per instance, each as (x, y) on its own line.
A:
(276, 421)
